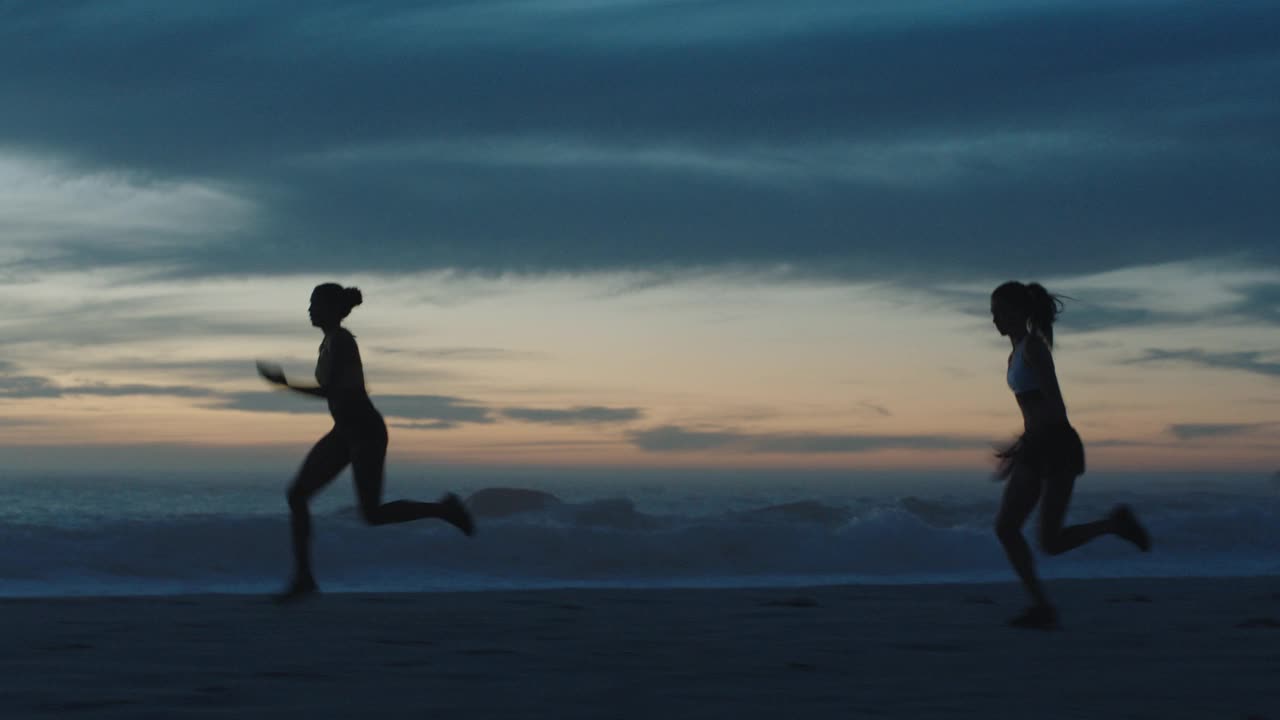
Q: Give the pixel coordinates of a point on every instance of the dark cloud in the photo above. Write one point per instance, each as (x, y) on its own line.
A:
(878, 409)
(1092, 310)
(1247, 361)
(28, 386)
(1261, 302)
(436, 425)
(428, 412)
(213, 371)
(1258, 303)
(1118, 443)
(1081, 317)
(228, 369)
(492, 137)
(438, 408)
(455, 353)
(1195, 431)
(582, 415)
(103, 323)
(674, 438)
(106, 390)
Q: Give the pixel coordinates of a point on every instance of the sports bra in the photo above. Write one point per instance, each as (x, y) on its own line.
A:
(1021, 376)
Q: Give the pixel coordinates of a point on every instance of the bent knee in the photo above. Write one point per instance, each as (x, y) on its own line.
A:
(1007, 530)
(372, 514)
(1051, 543)
(296, 496)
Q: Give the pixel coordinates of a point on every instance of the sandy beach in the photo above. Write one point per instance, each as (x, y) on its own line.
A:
(1129, 649)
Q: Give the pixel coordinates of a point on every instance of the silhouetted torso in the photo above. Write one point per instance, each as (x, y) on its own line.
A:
(1038, 410)
(340, 371)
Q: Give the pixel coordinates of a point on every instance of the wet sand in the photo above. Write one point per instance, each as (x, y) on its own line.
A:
(1179, 648)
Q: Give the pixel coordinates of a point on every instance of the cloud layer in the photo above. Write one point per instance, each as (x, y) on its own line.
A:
(423, 412)
(856, 139)
(675, 439)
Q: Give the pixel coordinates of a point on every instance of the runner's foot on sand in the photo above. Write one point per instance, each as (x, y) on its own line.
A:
(299, 589)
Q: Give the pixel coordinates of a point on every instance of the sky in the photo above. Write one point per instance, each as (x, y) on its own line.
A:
(638, 233)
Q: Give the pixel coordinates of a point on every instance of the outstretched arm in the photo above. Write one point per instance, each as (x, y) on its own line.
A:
(275, 375)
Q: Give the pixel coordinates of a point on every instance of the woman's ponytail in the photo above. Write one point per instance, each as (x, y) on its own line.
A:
(1043, 308)
(352, 297)
(1039, 306)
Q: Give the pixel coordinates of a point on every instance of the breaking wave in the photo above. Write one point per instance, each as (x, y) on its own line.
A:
(532, 538)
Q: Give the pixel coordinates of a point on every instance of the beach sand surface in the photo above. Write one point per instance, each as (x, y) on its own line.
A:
(1169, 648)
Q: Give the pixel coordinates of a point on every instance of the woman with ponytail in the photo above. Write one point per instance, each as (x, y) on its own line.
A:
(358, 439)
(1043, 464)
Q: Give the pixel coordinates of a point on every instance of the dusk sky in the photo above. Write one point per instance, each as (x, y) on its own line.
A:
(649, 233)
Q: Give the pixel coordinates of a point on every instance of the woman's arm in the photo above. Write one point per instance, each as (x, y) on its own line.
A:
(275, 375)
(1041, 359)
(316, 391)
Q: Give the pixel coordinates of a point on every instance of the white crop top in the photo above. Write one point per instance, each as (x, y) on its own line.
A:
(1021, 376)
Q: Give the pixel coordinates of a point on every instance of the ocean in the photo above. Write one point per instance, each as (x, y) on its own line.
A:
(111, 535)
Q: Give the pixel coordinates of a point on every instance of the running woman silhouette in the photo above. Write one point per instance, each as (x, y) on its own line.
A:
(1042, 465)
(358, 439)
